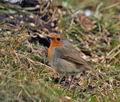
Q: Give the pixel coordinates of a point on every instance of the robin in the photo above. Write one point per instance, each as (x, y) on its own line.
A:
(63, 57)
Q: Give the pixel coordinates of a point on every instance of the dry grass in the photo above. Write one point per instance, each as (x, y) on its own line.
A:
(25, 79)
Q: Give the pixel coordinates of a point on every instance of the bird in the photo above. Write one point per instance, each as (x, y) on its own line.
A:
(63, 57)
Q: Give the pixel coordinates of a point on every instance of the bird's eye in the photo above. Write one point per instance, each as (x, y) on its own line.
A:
(58, 39)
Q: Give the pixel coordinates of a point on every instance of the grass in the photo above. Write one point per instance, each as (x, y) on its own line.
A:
(25, 79)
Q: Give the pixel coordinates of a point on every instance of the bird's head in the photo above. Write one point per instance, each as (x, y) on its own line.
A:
(55, 40)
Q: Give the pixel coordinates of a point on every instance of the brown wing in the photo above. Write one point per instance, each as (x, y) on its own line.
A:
(71, 54)
(77, 60)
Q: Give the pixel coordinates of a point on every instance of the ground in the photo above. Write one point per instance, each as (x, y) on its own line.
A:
(94, 29)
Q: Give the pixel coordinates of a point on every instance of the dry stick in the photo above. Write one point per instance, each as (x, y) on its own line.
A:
(111, 6)
(113, 50)
(111, 54)
(114, 55)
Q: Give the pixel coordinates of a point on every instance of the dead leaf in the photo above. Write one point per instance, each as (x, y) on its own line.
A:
(86, 23)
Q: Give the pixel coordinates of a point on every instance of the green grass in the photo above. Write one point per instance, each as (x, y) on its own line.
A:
(24, 79)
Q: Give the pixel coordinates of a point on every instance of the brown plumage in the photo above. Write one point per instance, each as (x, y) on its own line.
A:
(64, 58)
